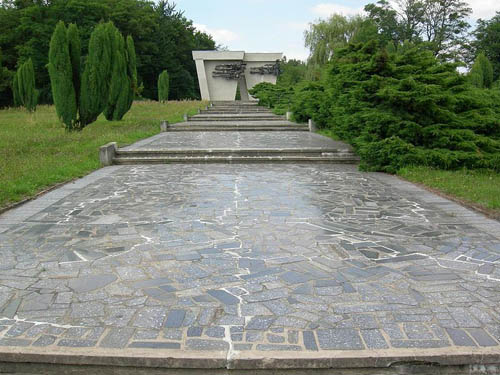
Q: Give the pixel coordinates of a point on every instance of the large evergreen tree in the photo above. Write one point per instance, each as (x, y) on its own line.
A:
(62, 71)
(119, 90)
(96, 75)
(75, 50)
(131, 70)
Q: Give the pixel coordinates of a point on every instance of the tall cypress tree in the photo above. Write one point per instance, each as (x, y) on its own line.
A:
(96, 76)
(118, 99)
(131, 70)
(75, 50)
(61, 71)
(26, 86)
(163, 86)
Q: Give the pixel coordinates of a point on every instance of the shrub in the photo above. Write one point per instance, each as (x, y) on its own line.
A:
(408, 108)
(131, 70)
(119, 90)
(310, 101)
(273, 96)
(96, 75)
(163, 85)
(62, 73)
(26, 94)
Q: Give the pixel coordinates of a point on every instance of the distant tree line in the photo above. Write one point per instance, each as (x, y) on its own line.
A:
(164, 39)
(407, 83)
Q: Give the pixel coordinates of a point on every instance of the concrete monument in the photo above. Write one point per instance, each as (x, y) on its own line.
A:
(219, 72)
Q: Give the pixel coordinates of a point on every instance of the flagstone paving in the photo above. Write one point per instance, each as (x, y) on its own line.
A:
(247, 257)
(237, 140)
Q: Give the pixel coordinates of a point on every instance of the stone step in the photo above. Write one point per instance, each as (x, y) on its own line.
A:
(222, 123)
(243, 128)
(235, 159)
(226, 152)
(242, 125)
(236, 117)
(237, 110)
(235, 103)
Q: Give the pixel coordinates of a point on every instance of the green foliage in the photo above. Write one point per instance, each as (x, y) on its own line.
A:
(481, 73)
(131, 70)
(325, 36)
(15, 91)
(408, 108)
(62, 76)
(487, 36)
(441, 25)
(163, 84)
(164, 38)
(75, 50)
(292, 72)
(26, 91)
(5, 83)
(96, 76)
(119, 90)
(310, 101)
(273, 96)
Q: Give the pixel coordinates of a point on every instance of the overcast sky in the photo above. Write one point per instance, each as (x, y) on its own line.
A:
(278, 25)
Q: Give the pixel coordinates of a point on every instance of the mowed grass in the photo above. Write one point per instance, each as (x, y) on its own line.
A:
(479, 187)
(36, 152)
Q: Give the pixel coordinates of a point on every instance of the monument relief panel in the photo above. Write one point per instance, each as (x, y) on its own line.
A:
(220, 72)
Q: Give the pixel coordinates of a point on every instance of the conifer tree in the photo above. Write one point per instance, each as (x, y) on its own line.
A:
(62, 72)
(481, 73)
(95, 83)
(26, 86)
(131, 69)
(163, 85)
(74, 45)
(119, 91)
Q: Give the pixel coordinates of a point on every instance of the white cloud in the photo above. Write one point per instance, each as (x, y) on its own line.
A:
(484, 9)
(219, 35)
(327, 9)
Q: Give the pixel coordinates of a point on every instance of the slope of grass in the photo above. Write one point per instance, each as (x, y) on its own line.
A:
(481, 188)
(36, 151)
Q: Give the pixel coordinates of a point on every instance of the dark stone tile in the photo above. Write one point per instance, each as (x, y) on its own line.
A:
(309, 340)
(45, 340)
(175, 318)
(261, 323)
(481, 337)
(224, 297)
(374, 339)
(200, 344)
(340, 339)
(117, 338)
(194, 331)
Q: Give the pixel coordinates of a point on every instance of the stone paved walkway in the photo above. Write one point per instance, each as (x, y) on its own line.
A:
(238, 140)
(235, 258)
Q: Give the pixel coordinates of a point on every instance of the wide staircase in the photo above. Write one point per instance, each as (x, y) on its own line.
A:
(229, 119)
(237, 116)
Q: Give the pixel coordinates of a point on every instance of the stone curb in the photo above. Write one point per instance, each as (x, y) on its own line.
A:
(251, 360)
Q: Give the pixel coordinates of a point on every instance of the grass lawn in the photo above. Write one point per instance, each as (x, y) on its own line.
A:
(36, 151)
(478, 188)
